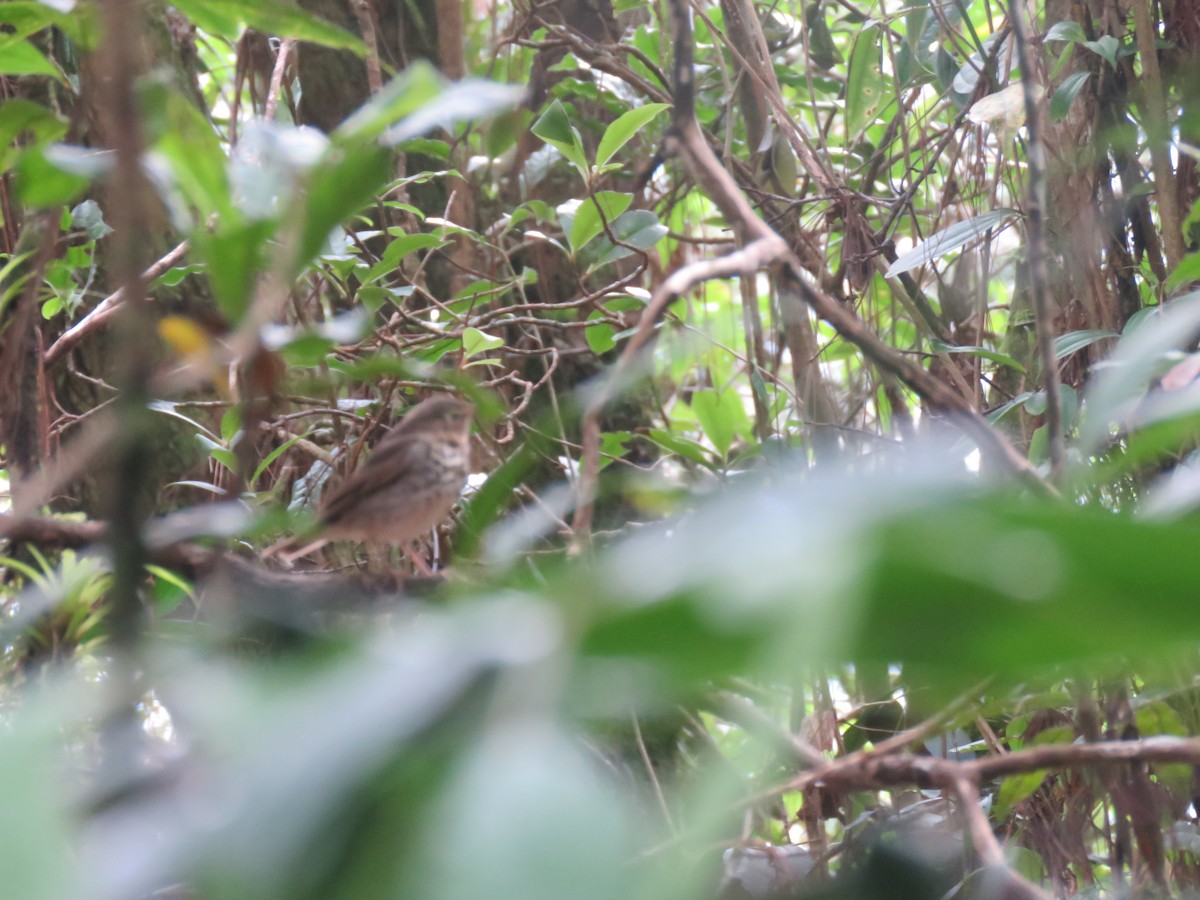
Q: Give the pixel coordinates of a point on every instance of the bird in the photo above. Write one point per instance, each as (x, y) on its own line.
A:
(408, 484)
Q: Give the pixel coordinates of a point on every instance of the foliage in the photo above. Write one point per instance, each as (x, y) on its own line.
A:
(798, 550)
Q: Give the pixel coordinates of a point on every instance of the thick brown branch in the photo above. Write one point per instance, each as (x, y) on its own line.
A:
(870, 771)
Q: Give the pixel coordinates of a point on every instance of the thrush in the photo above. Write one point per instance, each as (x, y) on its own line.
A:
(408, 484)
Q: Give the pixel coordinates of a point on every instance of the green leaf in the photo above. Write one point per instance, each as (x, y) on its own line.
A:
(306, 350)
(271, 457)
(52, 307)
(1066, 31)
(88, 218)
(821, 47)
(234, 256)
(226, 18)
(1016, 788)
(587, 222)
(434, 149)
(1064, 96)
(637, 227)
(629, 123)
(401, 247)
(865, 82)
(555, 128)
(1139, 357)
(231, 424)
(175, 275)
(417, 86)
(1186, 272)
(193, 150)
(25, 18)
(1074, 341)
(42, 180)
(170, 589)
(599, 336)
(982, 352)
(613, 446)
(1106, 47)
(505, 130)
(948, 240)
(18, 116)
(475, 342)
(22, 58)
(1057, 734)
(722, 415)
(682, 446)
(1159, 718)
(466, 100)
(347, 180)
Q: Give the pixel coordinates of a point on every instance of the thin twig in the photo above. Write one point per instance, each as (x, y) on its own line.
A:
(986, 845)
(281, 60)
(650, 773)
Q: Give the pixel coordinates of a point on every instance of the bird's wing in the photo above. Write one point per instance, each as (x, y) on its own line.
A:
(393, 459)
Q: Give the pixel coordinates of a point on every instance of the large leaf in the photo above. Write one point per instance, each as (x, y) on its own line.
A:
(555, 128)
(348, 180)
(417, 86)
(1186, 272)
(913, 567)
(18, 115)
(57, 174)
(1139, 357)
(190, 145)
(22, 58)
(949, 239)
(1066, 31)
(1065, 94)
(467, 100)
(722, 415)
(235, 255)
(638, 228)
(865, 82)
(587, 222)
(624, 128)
(275, 17)
(982, 352)
(1074, 341)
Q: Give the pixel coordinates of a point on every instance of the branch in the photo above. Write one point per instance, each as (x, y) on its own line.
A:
(986, 845)
(1035, 234)
(107, 308)
(281, 59)
(870, 770)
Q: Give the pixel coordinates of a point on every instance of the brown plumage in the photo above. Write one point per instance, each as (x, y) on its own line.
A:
(408, 484)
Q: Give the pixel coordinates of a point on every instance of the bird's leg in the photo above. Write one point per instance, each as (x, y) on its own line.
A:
(289, 558)
(416, 560)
